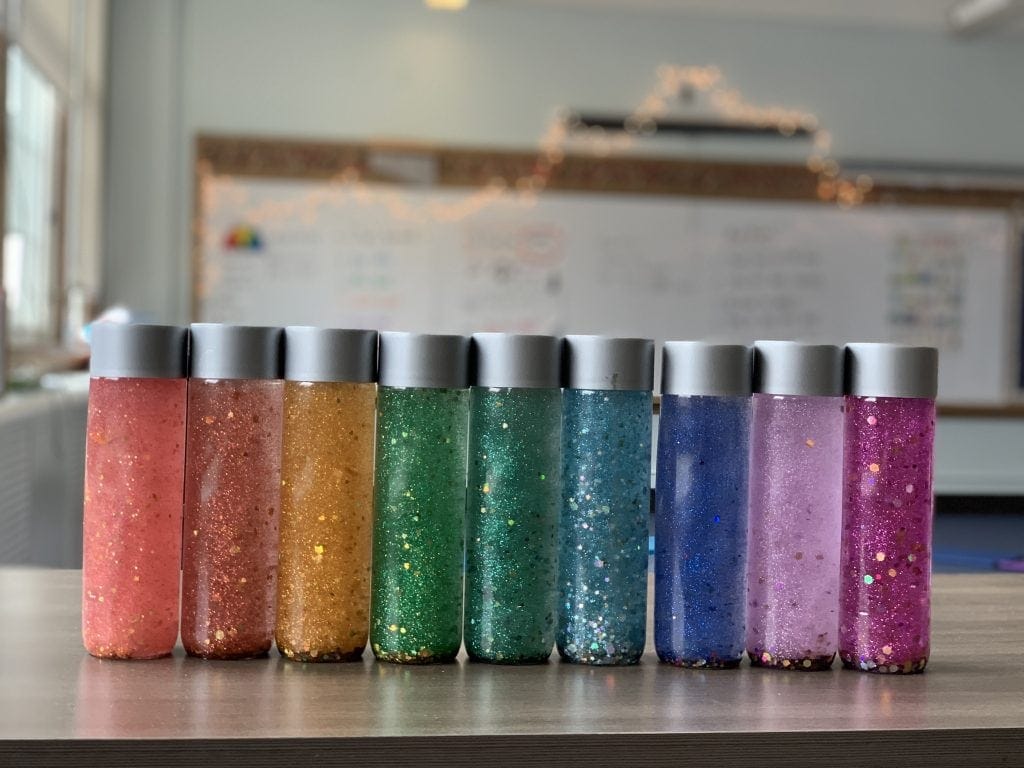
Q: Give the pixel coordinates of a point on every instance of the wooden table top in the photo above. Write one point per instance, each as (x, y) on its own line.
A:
(58, 704)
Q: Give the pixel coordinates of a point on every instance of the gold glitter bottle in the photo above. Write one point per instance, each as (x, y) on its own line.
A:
(323, 595)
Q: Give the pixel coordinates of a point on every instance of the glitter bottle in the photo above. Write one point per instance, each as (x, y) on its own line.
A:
(420, 498)
(134, 462)
(232, 491)
(796, 465)
(885, 580)
(700, 539)
(323, 580)
(606, 499)
(514, 492)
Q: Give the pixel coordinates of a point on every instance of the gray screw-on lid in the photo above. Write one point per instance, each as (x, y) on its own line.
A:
(607, 362)
(891, 370)
(792, 368)
(329, 354)
(427, 360)
(138, 351)
(515, 360)
(235, 351)
(703, 369)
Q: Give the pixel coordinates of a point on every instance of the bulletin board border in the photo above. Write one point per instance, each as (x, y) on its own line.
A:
(475, 167)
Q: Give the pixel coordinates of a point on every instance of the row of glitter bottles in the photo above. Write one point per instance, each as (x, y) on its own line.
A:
(555, 515)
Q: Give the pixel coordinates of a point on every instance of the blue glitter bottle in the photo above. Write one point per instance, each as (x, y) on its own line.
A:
(606, 480)
(700, 538)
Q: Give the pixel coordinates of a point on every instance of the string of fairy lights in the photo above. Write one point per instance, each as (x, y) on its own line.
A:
(562, 132)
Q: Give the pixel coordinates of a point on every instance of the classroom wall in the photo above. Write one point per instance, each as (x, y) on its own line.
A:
(493, 75)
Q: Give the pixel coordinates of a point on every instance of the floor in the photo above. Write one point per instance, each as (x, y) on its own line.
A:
(968, 541)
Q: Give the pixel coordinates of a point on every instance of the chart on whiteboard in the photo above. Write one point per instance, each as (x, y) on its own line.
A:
(274, 251)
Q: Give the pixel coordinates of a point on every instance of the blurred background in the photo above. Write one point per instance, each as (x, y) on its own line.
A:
(721, 169)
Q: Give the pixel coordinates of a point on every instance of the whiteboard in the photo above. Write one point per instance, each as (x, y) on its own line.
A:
(399, 258)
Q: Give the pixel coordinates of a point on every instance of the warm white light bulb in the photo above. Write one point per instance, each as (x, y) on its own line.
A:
(446, 5)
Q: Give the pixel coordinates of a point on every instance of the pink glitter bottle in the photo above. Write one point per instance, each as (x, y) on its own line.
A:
(134, 460)
(885, 580)
(232, 491)
(796, 456)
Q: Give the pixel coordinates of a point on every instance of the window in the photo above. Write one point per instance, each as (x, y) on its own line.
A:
(32, 218)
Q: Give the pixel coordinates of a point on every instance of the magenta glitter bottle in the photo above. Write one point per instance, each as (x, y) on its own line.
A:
(796, 454)
(885, 580)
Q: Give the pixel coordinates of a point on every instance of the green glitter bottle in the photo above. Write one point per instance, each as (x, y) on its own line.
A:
(419, 498)
(513, 497)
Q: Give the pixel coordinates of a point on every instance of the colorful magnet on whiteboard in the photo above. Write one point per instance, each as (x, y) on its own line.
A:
(242, 236)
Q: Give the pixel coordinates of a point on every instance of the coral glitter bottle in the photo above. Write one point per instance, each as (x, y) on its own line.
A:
(885, 580)
(134, 460)
(796, 454)
(232, 491)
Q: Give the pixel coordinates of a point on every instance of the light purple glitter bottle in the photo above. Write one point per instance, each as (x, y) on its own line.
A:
(796, 455)
(885, 580)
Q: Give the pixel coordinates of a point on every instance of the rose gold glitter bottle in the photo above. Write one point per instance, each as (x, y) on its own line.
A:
(134, 460)
(323, 588)
(232, 491)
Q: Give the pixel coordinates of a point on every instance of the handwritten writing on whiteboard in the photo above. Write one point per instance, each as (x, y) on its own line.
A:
(927, 287)
(513, 275)
(770, 286)
(664, 267)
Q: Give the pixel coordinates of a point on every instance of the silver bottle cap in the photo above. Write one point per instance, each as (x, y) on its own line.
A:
(608, 362)
(793, 368)
(704, 369)
(427, 360)
(138, 351)
(235, 351)
(329, 354)
(891, 370)
(515, 360)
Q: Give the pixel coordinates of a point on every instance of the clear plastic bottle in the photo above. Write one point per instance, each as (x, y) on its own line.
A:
(796, 464)
(134, 463)
(700, 539)
(513, 497)
(232, 491)
(327, 439)
(885, 579)
(606, 499)
(420, 498)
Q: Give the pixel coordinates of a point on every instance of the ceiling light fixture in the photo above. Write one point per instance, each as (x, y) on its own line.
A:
(446, 5)
(970, 16)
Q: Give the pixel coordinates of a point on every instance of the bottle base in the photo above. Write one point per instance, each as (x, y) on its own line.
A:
(600, 661)
(228, 655)
(710, 662)
(114, 654)
(321, 657)
(424, 656)
(912, 667)
(503, 660)
(791, 664)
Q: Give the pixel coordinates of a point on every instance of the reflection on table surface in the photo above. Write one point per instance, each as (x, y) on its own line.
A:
(52, 689)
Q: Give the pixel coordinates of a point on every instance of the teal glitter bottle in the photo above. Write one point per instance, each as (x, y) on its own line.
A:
(606, 482)
(419, 498)
(513, 497)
